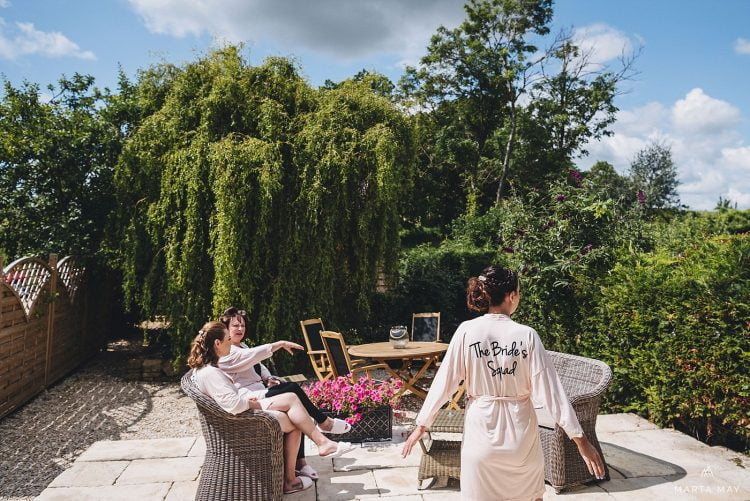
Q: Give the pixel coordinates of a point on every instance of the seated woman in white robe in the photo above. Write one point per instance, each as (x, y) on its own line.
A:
(245, 368)
(213, 342)
(505, 368)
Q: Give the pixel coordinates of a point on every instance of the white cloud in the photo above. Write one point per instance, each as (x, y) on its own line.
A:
(700, 113)
(742, 46)
(738, 197)
(736, 158)
(602, 42)
(27, 40)
(344, 30)
(711, 155)
(4, 4)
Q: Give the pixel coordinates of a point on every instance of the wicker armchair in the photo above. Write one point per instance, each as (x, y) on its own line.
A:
(585, 380)
(244, 458)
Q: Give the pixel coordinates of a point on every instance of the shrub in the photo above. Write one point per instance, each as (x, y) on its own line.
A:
(430, 279)
(563, 241)
(673, 326)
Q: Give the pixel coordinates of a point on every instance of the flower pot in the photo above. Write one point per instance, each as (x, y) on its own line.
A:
(376, 425)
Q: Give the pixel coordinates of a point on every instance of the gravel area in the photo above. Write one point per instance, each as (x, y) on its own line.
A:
(43, 438)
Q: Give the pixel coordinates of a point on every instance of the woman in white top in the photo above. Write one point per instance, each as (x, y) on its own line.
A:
(505, 368)
(213, 342)
(244, 367)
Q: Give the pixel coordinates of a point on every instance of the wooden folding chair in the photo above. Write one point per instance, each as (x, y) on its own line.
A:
(425, 327)
(311, 330)
(338, 355)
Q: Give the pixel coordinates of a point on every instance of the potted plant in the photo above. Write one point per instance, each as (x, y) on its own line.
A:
(365, 404)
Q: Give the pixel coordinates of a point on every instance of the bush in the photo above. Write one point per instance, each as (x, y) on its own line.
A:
(563, 241)
(672, 324)
(430, 279)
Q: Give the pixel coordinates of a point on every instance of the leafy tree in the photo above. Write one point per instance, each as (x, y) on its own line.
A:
(610, 183)
(654, 175)
(499, 114)
(56, 158)
(472, 78)
(246, 186)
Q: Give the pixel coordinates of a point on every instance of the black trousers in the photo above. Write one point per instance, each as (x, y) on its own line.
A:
(314, 412)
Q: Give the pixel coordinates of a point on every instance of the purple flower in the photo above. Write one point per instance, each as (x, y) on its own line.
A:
(560, 198)
(641, 197)
(576, 176)
(586, 249)
(509, 250)
(549, 224)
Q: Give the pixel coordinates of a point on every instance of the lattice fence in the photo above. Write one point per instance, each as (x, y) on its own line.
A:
(42, 331)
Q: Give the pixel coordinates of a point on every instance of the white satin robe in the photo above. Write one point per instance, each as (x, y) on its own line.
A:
(506, 368)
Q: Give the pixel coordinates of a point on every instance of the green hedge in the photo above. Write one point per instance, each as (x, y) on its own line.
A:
(430, 279)
(673, 325)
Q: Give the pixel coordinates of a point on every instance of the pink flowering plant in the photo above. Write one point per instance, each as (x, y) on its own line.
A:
(342, 396)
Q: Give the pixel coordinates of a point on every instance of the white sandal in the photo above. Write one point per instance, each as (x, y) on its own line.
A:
(307, 471)
(339, 426)
(306, 484)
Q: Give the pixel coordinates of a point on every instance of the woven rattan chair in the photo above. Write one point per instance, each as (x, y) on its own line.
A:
(244, 452)
(585, 380)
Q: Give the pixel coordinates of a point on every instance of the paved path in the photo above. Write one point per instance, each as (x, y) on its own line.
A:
(646, 463)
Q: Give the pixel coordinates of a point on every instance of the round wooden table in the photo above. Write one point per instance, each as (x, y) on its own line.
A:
(429, 352)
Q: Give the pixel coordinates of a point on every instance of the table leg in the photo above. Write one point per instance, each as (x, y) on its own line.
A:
(411, 383)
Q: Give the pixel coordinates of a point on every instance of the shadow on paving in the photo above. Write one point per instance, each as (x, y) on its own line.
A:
(43, 438)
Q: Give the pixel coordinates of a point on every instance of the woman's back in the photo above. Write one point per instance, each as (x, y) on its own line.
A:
(497, 354)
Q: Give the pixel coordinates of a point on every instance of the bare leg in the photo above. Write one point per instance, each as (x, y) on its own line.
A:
(291, 446)
(290, 403)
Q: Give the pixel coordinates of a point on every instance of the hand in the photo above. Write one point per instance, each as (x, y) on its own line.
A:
(591, 457)
(413, 438)
(272, 381)
(254, 404)
(290, 347)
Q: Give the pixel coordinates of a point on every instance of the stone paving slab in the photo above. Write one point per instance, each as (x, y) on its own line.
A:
(397, 481)
(89, 474)
(616, 423)
(144, 471)
(111, 450)
(647, 463)
(182, 491)
(143, 492)
(347, 485)
(198, 448)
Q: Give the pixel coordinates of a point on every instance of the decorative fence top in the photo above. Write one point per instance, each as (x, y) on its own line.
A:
(27, 277)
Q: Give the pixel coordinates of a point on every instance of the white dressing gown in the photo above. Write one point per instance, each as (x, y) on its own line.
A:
(506, 368)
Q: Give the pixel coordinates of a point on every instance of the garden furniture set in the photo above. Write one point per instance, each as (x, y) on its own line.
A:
(240, 467)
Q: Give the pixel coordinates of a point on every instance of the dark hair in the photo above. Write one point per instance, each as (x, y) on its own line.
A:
(230, 313)
(490, 287)
(202, 352)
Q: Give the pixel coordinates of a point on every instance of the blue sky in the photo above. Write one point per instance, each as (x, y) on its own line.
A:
(692, 91)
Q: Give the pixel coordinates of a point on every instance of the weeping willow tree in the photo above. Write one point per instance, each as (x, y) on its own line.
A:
(245, 186)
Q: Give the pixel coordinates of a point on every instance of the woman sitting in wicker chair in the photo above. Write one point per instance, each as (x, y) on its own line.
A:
(211, 343)
(243, 366)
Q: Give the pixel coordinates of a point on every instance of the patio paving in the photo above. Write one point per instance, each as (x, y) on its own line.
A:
(646, 462)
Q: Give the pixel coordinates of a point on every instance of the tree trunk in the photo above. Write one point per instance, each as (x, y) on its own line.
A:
(508, 151)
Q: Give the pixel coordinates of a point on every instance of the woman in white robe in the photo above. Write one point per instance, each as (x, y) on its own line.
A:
(505, 368)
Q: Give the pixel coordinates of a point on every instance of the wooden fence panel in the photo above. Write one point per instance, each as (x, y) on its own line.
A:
(23, 350)
(42, 335)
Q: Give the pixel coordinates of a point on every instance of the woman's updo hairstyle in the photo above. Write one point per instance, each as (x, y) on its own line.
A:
(490, 288)
(203, 351)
